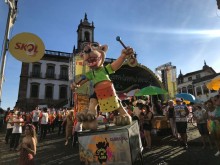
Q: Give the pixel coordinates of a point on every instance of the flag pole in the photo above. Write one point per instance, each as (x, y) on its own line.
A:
(12, 12)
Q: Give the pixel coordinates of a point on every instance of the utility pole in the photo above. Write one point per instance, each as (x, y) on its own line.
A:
(12, 13)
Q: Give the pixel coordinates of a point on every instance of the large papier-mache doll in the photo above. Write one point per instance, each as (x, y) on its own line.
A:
(104, 92)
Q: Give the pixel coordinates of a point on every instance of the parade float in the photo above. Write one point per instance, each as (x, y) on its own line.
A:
(116, 142)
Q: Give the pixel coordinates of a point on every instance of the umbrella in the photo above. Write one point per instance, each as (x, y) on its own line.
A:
(132, 92)
(185, 101)
(151, 90)
(186, 96)
(122, 96)
(214, 84)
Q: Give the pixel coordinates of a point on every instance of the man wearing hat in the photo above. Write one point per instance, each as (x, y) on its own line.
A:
(180, 114)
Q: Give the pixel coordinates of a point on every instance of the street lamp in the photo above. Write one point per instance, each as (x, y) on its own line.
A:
(12, 13)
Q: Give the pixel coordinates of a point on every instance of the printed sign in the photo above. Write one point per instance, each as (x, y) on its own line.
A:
(105, 149)
(27, 47)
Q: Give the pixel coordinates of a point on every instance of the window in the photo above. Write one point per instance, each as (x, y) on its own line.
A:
(50, 71)
(49, 91)
(205, 89)
(197, 76)
(87, 36)
(190, 89)
(36, 70)
(189, 78)
(63, 92)
(34, 90)
(184, 90)
(198, 91)
(179, 90)
(64, 72)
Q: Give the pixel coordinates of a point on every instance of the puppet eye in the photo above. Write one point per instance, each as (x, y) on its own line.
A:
(95, 45)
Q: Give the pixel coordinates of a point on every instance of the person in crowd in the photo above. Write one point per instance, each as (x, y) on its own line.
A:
(147, 125)
(44, 123)
(137, 110)
(216, 123)
(28, 145)
(158, 107)
(60, 117)
(210, 107)
(2, 114)
(171, 118)
(77, 128)
(130, 109)
(7, 113)
(28, 119)
(200, 116)
(35, 115)
(17, 131)
(181, 112)
(9, 120)
(141, 122)
(69, 125)
(52, 116)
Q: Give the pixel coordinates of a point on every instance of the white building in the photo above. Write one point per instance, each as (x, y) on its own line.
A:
(45, 82)
(195, 83)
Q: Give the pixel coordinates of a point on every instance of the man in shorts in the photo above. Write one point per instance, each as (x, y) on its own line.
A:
(180, 114)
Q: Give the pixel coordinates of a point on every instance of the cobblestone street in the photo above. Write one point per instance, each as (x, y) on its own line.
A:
(165, 151)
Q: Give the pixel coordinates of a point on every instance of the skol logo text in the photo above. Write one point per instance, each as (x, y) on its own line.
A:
(30, 48)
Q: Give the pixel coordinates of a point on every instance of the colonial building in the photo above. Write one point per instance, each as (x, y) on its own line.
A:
(195, 82)
(45, 82)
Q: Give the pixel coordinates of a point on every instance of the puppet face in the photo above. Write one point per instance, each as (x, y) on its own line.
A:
(94, 55)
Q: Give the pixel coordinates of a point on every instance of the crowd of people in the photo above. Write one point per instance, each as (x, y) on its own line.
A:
(205, 116)
(35, 125)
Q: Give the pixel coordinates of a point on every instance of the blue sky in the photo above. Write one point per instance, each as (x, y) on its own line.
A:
(184, 32)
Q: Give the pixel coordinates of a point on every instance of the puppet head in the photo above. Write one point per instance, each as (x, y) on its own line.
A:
(94, 55)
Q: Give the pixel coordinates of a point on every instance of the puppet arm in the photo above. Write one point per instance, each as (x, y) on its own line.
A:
(75, 85)
(124, 55)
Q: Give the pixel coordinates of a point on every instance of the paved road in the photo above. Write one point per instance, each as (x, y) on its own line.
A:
(52, 151)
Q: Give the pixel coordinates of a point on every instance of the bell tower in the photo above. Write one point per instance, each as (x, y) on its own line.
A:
(85, 32)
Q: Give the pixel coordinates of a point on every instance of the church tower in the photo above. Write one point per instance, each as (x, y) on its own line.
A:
(85, 33)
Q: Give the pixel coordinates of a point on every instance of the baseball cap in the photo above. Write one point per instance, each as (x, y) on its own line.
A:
(179, 99)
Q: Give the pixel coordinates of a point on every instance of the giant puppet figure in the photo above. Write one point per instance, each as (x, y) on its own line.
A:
(104, 92)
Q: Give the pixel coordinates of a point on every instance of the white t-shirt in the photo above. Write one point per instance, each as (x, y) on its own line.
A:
(199, 114)
(36, 114)
(136, 112)
(44, 119)
(180, 113)
(17, 128)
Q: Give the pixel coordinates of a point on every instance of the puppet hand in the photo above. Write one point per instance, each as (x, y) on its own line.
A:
(74, 86)
(127, 53)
